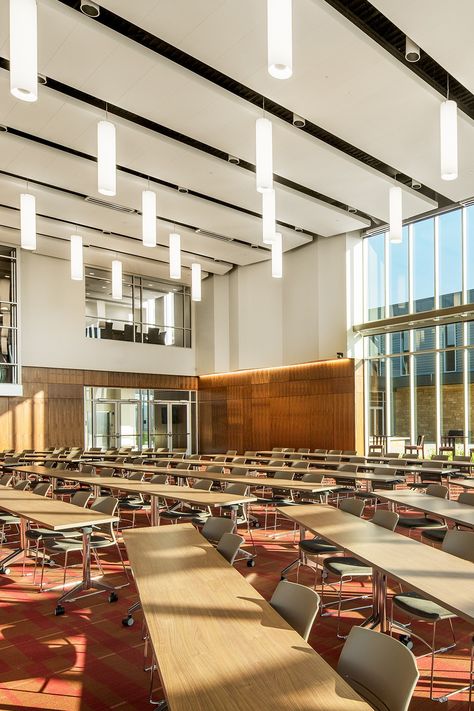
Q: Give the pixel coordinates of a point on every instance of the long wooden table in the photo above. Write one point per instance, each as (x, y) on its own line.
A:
(461, 514)
(219, 645)
(57, 516)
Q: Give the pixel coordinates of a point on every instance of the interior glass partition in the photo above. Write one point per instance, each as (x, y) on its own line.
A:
(123, 417)
(9, 365)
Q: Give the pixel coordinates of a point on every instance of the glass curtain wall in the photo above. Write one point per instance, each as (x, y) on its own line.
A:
(420, 381)
(9, 365)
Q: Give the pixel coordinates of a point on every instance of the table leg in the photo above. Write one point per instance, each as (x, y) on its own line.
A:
(292, 565)
(86, 583)
(17, 552)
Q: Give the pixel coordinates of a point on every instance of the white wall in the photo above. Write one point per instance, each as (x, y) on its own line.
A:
(53, 328)
(251, 320)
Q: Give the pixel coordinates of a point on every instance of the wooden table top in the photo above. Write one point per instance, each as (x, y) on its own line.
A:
(414, 469)
(186, 494)
(220, 646)
(442, 463)
(445, 508)
(50, 513)
(467, 483)
(262, 481)
(444, 578)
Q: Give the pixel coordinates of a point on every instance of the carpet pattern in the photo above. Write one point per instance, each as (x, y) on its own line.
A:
(87, 661)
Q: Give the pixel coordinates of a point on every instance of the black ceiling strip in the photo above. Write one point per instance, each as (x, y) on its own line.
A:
(168, 51)
(82, 196)
(78, 225)
(380, 29)
(145, 177)
(162, 130)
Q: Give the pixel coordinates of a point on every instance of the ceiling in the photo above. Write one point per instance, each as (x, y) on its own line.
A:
(184, 82)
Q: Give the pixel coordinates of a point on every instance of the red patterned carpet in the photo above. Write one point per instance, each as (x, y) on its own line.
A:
(87, 661)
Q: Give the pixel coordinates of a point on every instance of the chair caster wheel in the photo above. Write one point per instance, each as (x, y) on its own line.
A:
(406, 640)
(4, 571)
(251, 563)
(59, 610)
(51, 563)
(128, 621)
(113, 597)
(283, 577)
(256, 524)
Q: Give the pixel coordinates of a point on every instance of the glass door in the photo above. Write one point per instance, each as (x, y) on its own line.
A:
(106, 431)
(179, 432)
(158, 424)
(129, 424)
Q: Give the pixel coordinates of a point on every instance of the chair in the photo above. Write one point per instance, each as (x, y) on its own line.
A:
(410, 455)
(104, 538)
(133, 502)
(159, 479)
(231, 453)
(377, 445)
(6, 479)
(368, 661)
(311, 550)
(239, 490)
(437, 535)
(229, 546)
(335, 451)
(301, 464)
(277, 497)
(421, 609)
(179, 511)
(215, 527)
(417, 448)
(303, 450)
(448, 444)
(7, 519)
(348, 567)
(297, 604)
(320, 451)
(425, 521)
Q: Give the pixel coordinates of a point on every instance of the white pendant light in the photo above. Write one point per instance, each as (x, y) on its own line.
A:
(280, 42)
(277, 256)
(77, 261)
(106, 160)
(395, 214)
(117, 280)
(264, 154)
(169, 318)
(23, 50)
(175, 256)
(195, 282)
(268, 216)
(28, 221)
(149, 218)
(449, 140)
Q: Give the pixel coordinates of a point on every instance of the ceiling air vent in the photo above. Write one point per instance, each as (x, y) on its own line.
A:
(110, 205)
(214, 235)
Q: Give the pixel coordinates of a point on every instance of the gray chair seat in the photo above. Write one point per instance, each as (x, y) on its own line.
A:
(419, 522)
(435, 534)
(8, 520)
(73, 544)
(190, 513)
(347, 566)
(35, 534)
(273, 501)
(133, 504)
(420, 607)
(317, 546)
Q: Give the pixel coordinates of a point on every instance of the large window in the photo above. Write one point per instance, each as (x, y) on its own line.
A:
(9, 365)
(420, 380)
(150, 311)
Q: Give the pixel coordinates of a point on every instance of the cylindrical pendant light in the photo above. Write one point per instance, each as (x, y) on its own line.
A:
(106, 160)
(264, 154)
(149, 218)
(268, 216)
(117, 280)
(77, 261)
(280, 42)
(175, 256)
(395, 214)
(277, 256)
(195, 282)
(28, 221)
(449, 140)
(23, 50)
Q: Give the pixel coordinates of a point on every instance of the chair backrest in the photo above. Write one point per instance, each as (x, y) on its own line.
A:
(459, 543)
(203, 484)
(194, 456)
(313, 477)
(320, 451)
(61, 466)
(410, 455)
(348, 467)
(249, 453)
(21, 485)
(182, 465)
(159, 479)
(428, 465)
(352, 506)
(295, 456)
(333, 458)
(392, 455)
(303, 450)
(357, 460)
(437, 490)
(350, 452)
(368, 662)
(5, 479)
(42, 489)
(239, 489)
(81, 498)
(335, 451)
(420, 440)
(397, 462)
(229, 545)
(238, 471)
(137, 476)
(275, 463)
(297, 604)
(220, 458)
(231, 452)
(238, 460)
(439, 458)
(284, 474)
(277, 449)
(214, 469)
(108, 506)
(300, 464)
(215, 527)
(466, 497)
(106, 471)
(386, 519)
(288, 449)
(86, 468)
